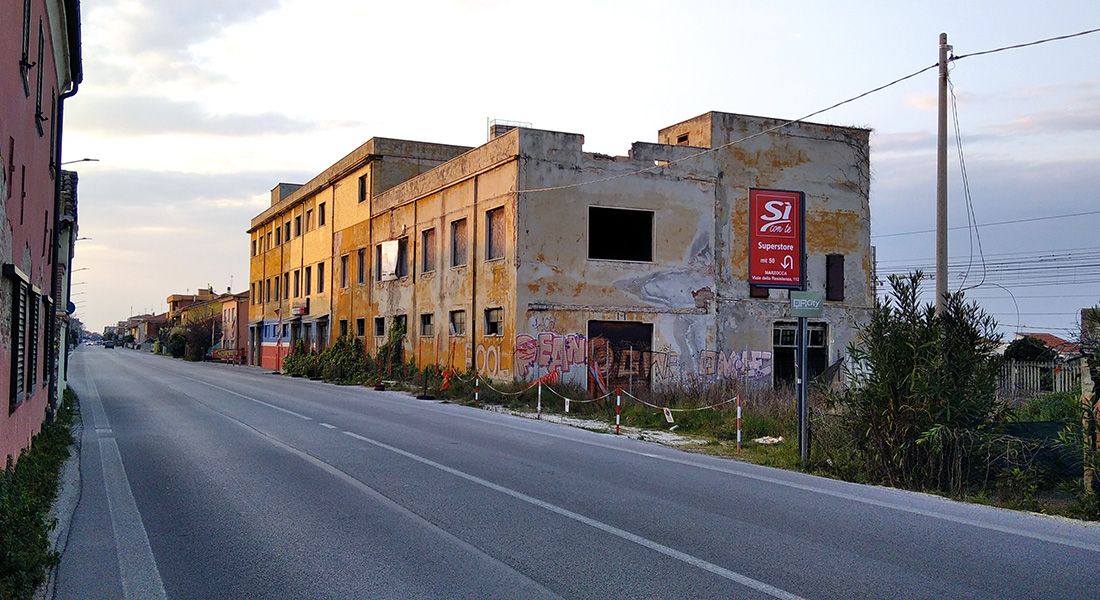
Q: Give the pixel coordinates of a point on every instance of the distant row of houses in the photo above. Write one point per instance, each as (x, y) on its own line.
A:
(225, 313)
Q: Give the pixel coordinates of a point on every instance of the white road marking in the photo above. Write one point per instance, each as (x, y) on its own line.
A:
(327, 426)
(746, 581)
(137, 566)
(228, 391)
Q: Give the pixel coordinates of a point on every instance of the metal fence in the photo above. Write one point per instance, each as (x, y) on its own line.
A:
(1027, 378)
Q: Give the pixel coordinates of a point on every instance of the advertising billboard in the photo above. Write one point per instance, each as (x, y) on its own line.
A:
(777, 233)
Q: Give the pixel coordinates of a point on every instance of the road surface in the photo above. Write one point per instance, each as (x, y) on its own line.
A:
(213, 481)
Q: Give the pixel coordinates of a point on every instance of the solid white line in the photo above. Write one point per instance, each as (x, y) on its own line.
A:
(326, 425)
(229, 391)
(805, 487)
(137, 566)
(626, 535)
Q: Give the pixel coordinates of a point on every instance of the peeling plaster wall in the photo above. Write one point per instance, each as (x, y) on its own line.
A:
(832, 166)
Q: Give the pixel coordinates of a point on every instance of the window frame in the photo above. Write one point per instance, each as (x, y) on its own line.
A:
(500, 323)
(428, 254)
(465, 255)
(451, 329)
(380, 327)
(427, 324)
(492, 235)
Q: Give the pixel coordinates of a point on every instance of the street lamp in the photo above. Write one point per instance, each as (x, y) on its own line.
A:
(82, 239)
(69, 162)
(80, 269)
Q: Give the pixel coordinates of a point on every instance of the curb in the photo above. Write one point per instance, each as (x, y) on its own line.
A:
(69, 490)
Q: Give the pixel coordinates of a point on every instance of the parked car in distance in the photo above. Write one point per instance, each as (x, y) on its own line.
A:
(108, 344)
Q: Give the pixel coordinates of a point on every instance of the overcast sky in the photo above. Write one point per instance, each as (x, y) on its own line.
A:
(196, 109)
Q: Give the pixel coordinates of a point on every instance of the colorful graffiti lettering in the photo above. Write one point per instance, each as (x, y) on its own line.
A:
(713, 365)
(549, 352)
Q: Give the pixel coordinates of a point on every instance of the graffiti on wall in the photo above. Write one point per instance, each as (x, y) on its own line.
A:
(713, 365)
(548, 352)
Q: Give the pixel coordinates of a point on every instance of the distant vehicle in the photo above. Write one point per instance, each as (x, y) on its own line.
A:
(108, 344)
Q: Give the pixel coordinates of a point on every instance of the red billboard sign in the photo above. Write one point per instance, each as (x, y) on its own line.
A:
(777, 234)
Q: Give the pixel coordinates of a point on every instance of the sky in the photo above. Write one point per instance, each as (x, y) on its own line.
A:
(195, 110)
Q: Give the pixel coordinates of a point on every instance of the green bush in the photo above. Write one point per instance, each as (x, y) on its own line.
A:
(177, 344)
(1064, 407)
(920, 384)
(26, 494)
(344, 361)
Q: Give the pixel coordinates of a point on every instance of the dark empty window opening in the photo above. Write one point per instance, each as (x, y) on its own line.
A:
(360, 327)
(343, 327)
(379, 326)
(682, 139)
(620, 234)
(834, 277)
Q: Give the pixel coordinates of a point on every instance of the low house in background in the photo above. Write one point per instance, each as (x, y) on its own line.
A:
(234, 346)
(1065, 349)
(178, 302)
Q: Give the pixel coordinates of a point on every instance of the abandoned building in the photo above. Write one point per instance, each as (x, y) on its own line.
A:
(527, 257)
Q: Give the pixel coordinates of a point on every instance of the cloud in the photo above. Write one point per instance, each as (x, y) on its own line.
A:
(152, 115)
(1083, 114)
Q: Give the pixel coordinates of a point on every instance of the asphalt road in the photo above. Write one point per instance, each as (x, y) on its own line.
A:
(210, 481)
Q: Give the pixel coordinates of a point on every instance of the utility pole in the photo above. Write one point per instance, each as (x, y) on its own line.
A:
(941, 182)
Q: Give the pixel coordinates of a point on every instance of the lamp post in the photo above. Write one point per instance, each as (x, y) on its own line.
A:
(79, 160)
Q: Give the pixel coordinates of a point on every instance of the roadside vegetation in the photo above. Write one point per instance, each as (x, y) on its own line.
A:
(27, 490)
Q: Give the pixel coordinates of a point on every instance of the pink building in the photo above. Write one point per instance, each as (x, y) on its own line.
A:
(40, 58)
(235, 324)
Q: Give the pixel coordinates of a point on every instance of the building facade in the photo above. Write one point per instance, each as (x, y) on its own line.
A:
(527, 257)
(40, 46)
(235, 323)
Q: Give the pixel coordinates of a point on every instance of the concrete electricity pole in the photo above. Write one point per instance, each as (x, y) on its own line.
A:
(941, 182)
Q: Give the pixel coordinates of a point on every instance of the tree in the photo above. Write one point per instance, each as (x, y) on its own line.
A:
(1029, 349)
(922, 384)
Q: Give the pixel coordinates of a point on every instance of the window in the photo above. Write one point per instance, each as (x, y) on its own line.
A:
(276, 288)
(427, 251)
(344, 271)
(286, 329)
(20, 309)
(252, 296)
(297, 283)
(32, 340)
(321, 214)
(267, 292)
(343, 327)
(39, 116)
(363, 187)
(401, 324)
(268, 246)
(253, 247)
(361, 266)
(403, 257)
(309, 280)
(25, 64)
(494, 233)
(360, 327)
(682, 139)
(309, 219)
(320, 278)
(620, 234)
(298, 226)
(379, 326)
(834, 277)
(427, 324)
(494, 321)
(278, 235)
(286, 231)
(458, 322)
(286, 286)
(458, 243)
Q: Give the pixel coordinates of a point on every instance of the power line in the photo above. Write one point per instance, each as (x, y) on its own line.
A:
(1026, 44)
(1028, 220)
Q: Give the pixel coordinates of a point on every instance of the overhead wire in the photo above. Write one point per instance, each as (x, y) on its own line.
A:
(1025, 44)
(1009, 222)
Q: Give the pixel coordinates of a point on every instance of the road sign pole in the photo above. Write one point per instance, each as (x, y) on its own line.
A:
(802, 381)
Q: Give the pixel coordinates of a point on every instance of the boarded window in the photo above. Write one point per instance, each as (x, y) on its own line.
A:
(385, 261)
(427, 251)
(834, 277)
(620, 234)
(458, 243)
(379, 326)
(427, 324)
(494, 233)
(494, 321)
